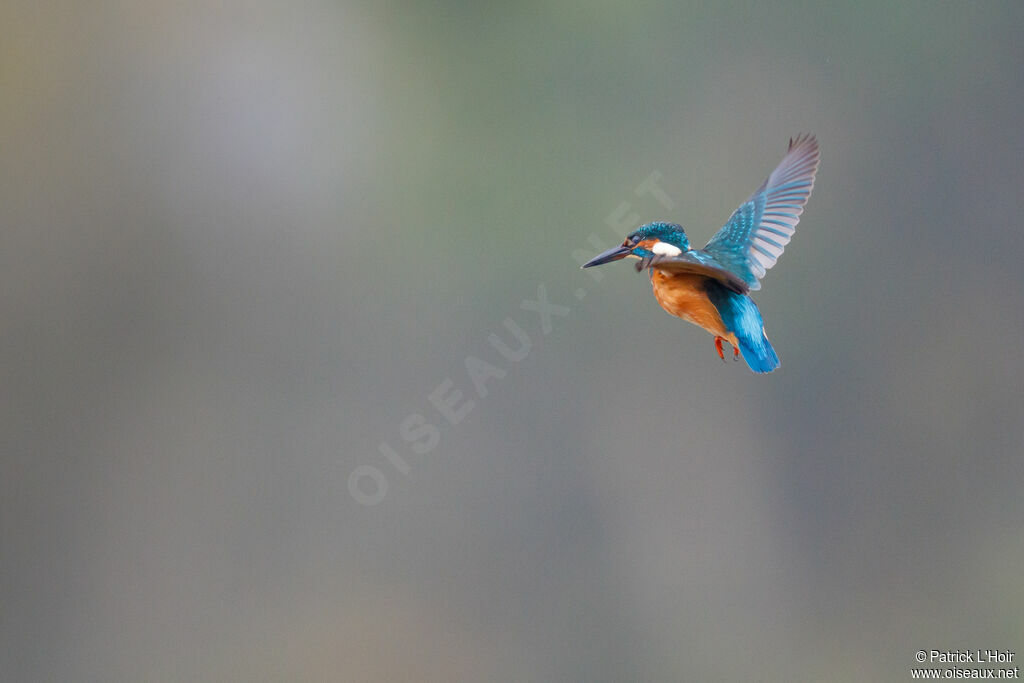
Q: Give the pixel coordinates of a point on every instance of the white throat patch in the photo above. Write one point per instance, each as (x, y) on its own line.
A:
(665, 249)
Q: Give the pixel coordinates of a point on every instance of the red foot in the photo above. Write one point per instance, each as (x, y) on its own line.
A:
(718, 347)
(721, 352)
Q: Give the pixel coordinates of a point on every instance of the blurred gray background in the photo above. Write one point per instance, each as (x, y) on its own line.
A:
(242, 242)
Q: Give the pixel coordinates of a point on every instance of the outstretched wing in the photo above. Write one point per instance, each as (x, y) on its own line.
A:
(698, 263)
(758, 232)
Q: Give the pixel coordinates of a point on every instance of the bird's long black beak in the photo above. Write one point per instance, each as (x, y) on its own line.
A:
(613, 254)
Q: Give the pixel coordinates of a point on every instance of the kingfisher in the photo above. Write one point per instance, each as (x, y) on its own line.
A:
(711, 287)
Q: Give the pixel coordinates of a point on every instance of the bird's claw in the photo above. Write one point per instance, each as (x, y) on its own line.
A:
(721, 351)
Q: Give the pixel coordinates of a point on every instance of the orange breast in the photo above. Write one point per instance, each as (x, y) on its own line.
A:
(683, 295)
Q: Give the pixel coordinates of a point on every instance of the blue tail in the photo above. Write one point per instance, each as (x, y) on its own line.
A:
(742, 318)
(758, 352)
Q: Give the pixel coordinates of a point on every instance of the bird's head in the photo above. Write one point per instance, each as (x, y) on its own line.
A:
(647, 241)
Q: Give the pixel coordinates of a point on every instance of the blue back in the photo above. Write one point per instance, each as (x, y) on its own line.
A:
(741, 317)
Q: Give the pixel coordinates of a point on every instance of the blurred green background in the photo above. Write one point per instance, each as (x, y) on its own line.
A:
(242, 242)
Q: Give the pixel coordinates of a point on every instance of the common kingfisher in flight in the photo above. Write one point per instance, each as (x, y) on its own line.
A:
(710, 287)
